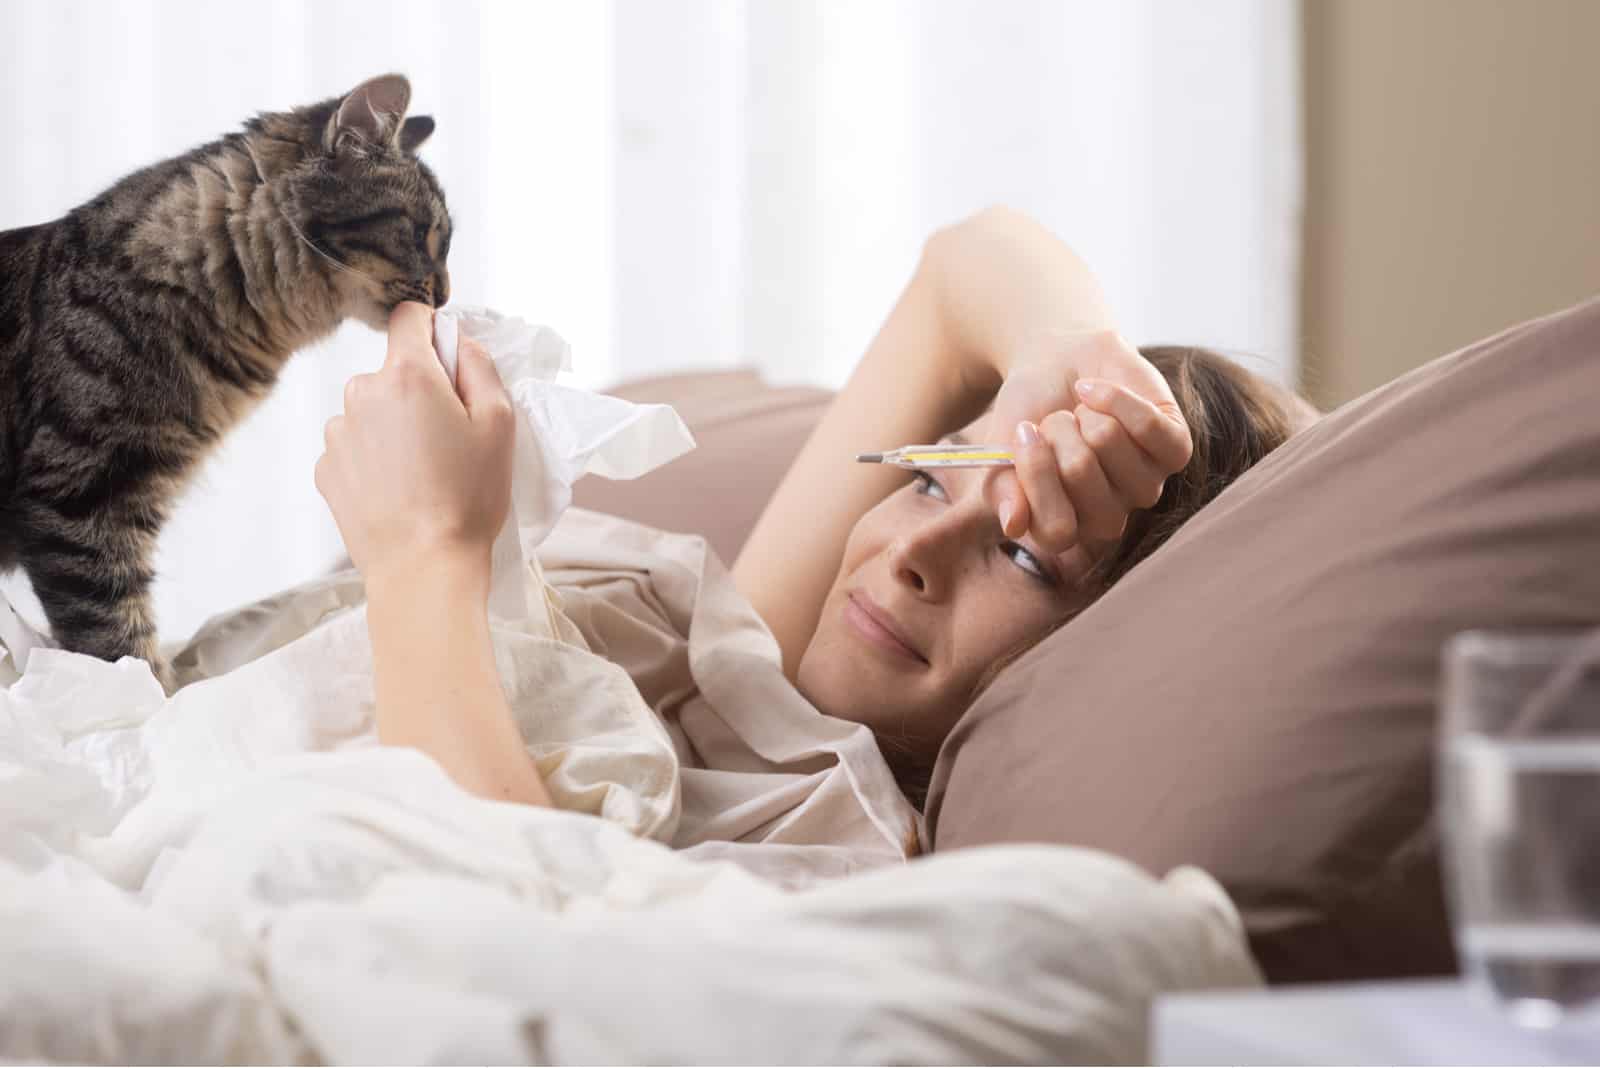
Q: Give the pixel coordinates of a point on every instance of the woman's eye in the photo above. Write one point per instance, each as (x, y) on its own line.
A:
(1028, 562)
(928, 486)
(422, 234)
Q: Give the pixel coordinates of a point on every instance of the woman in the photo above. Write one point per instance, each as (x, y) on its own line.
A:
(890, 608)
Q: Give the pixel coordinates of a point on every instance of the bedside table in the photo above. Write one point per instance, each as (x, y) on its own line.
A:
(1425, 1022)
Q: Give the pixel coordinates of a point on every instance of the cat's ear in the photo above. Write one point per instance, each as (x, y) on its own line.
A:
(369, 117)
(416, 130)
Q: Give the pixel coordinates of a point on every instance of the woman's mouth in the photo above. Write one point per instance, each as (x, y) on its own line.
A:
(873, 624)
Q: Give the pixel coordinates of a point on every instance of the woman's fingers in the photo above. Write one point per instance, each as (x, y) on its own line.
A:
(1158, 429)
(322, 475)
(411, 340)
(1133, 476)
(1042, 509)
(479, 384)
(1100, 514)
(1067, 497)
(332, 432)
(1115, 433)
(355, 389)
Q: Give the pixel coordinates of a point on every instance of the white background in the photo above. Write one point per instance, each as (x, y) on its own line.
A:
(694, 183)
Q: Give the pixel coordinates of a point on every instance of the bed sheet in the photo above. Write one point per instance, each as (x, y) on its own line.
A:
(239, 873)
(358, 908)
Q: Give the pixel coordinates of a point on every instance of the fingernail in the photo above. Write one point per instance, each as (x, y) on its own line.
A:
(1027, 434)
(1005, 513)
(1086, 389)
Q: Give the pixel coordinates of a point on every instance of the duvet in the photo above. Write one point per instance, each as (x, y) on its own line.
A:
(240, 873)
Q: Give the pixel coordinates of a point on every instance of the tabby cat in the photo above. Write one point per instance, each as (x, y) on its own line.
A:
(137, 329)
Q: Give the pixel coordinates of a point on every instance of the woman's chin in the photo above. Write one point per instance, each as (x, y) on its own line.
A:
(844, 681)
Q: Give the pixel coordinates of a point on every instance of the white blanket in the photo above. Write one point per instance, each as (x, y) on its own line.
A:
(241, 873)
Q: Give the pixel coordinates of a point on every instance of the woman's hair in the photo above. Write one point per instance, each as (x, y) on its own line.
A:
(1235, 418)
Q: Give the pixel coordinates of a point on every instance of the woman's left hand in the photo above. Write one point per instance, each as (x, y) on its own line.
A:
(417, 472)
(1095, 431)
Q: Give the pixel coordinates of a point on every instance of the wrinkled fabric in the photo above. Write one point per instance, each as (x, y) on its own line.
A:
(357, 907)
(758, 764)
(562, 434)
(648, 692)
(241, 873)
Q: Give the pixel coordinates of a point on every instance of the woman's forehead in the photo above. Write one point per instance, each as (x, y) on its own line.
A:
(981, 431)
(985, 430)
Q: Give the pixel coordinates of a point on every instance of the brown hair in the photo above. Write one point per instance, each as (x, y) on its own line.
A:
(1235, 418)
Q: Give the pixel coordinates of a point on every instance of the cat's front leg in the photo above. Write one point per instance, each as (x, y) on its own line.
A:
(93, 580)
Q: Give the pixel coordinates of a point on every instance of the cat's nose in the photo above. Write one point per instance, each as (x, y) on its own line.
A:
(441, 289)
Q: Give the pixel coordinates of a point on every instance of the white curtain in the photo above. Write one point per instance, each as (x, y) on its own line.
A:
(695, 183)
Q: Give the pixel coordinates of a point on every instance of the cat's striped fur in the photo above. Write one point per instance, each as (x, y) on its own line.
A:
(137, 329)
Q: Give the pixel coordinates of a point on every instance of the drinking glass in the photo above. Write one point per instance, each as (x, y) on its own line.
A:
(1519, 803)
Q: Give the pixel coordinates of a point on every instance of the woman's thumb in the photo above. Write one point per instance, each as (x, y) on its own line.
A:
(477, 380)
(1004, 493)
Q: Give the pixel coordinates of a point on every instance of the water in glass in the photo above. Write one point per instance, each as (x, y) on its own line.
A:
(1520, 806)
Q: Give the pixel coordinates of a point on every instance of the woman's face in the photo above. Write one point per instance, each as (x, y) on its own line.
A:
(930, 594)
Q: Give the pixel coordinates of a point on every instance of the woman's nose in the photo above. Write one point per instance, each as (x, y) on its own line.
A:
(921, 559)
(909, 574)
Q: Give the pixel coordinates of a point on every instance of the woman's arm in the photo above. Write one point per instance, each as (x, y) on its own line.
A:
(1005, 282)
(418, 476)
(436, 683)
(985, 292)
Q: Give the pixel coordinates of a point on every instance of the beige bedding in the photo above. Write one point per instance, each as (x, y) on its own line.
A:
(240, 872)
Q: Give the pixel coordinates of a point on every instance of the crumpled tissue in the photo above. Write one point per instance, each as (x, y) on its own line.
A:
(562, 434)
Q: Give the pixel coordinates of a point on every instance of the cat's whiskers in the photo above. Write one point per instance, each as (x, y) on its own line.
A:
(312, 245)
(261, 182)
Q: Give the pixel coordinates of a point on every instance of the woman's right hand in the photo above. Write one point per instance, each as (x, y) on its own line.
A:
(417, 472)
(1095, 432)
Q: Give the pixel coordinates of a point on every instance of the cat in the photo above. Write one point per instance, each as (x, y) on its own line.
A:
(140, 327)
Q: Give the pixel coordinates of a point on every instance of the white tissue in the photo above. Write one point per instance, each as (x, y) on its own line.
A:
(562, 434)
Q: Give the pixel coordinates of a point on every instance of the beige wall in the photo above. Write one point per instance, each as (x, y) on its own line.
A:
(1453, 177)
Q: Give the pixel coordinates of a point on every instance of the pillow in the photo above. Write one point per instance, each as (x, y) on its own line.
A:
(1258, 697)
(747, 433)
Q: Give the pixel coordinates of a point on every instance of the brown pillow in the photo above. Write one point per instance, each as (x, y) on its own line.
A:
(746, 432)
(1258, 698)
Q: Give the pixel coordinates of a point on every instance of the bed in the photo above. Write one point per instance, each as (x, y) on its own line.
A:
(238, 873)
(241, 874)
